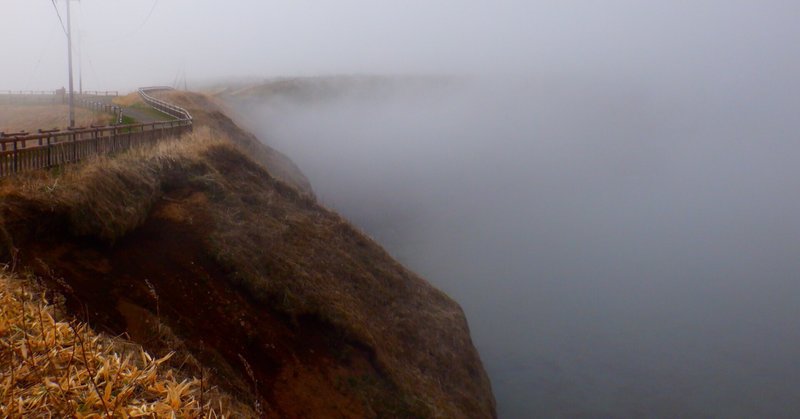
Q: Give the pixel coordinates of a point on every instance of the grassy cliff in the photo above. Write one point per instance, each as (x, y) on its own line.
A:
(218, 239)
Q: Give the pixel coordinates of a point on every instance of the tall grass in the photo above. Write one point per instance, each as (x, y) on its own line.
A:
(287, 252)
(56, 367)
(108, 196)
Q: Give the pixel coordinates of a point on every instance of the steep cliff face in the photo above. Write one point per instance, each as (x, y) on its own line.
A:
(214, 245)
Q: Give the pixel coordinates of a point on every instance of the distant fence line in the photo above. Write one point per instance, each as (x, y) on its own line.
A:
(58, 92)
(23, 151)
(90, 103)
(100, 93)
(31, 97)
(54, 97)
(28, 92)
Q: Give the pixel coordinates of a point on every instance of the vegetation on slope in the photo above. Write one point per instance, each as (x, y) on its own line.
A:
(54, 367)
(209, 112)
(294, 309)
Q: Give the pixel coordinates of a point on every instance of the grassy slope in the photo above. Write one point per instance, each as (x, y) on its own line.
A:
(210, 113)
(58, 367)
(394, 345)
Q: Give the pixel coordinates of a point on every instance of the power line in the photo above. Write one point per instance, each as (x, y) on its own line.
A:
(152, 9)
(126, 36)
(94, 73)
(41, 57)
(64, 28)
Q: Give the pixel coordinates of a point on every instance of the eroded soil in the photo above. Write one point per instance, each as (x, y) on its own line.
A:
(162, 274)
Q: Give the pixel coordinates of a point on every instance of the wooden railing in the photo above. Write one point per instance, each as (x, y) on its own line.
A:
(28, 92)
(58, 92)
(90, 102)
(99, 93)
(23, 151)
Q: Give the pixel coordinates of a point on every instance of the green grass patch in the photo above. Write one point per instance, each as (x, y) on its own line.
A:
(154, 113)
(126, 120)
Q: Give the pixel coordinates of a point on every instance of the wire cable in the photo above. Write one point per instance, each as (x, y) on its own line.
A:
(150, 13)
(131, 34)
(44, 50)
(84, 53)
(64, 28)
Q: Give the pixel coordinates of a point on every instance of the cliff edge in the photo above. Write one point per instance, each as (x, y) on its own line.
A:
(212, 245)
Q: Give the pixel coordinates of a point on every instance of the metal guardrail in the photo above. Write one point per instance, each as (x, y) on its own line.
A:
(23, 151)
(167, 108)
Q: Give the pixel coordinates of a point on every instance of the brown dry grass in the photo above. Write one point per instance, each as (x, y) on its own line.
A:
(55, 367)
(290, 254)
(15, 118)
(107, 197)
(128, 100)
(209, 112)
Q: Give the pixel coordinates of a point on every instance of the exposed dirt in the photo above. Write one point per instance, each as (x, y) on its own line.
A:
(300, 368)
(213, 247)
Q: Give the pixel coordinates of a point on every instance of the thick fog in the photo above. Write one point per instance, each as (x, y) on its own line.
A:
(124, 44)
(622, 248)
(608, 188)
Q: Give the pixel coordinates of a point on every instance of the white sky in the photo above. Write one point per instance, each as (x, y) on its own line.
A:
(212, 39)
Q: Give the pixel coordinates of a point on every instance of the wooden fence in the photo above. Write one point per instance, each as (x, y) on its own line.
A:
(54, 97)
(20, 152)
(91, 102)
(31, 97)
(23, 151)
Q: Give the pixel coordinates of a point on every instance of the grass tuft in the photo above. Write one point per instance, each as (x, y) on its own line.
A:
(54, 367)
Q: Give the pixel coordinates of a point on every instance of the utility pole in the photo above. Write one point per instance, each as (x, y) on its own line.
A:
(71, 87)
(80, 63)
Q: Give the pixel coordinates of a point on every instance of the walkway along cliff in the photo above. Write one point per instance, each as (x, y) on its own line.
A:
(214, 246)
(23, 151)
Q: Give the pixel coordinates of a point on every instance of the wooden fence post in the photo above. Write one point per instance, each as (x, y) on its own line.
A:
(16, 156)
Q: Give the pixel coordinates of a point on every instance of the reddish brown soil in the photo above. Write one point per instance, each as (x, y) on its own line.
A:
(251, 279)
(301, 368)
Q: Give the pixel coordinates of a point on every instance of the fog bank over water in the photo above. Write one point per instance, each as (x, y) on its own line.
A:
(620, 248)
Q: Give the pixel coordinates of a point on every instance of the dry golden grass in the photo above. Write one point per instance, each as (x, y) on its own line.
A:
(209, 112)
(15, 118)
(51, 367)
(128, 100)
(287, 252)
(107, 197)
